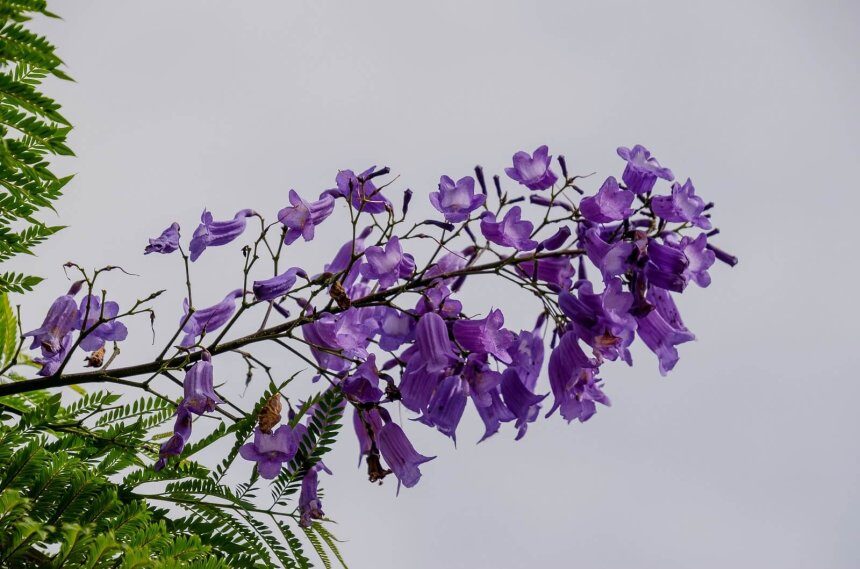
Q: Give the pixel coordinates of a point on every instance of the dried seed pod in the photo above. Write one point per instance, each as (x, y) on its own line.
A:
(339, 295)
(270, 414)
(95, 359)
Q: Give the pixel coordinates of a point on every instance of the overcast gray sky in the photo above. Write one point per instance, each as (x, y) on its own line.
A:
(745, 456)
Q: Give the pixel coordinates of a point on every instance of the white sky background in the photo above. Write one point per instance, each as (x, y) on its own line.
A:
(746, 456)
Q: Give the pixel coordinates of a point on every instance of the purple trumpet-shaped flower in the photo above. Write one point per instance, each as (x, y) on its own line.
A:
(510, 232)
(388, 264)
(433, 344)
(212, 233)
(611, 203)
(270, 450)
(556, 240)
(642, 169)
(556, 271)
(666, 266)
(395, 328)
(683, 206)
(602, 321)
(343, 258)
(527, 352)
(611, 259)
(347, 333)
(58, 323)
(447, 404)
(51, 361)
(533, 171)
(457, 201)
(367, 424)
(310, 505)
(176, 443)
(662, 329)
(493, 414)
(280, 285)
(485, 336)
(207, 319)
(300, 218)
(520, 400)
(363, 385)
(417, 383)
(700, 258)
(572, 379)
(484, 390)
(400, 455)
(200, 396)
(88, 316)
(364, 196)
(167, 242)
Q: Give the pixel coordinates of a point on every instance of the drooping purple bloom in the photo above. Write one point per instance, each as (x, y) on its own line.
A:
(212, 233)
(400, 455)
(343, 258)
(167, 242)
(666, 266)
(520, 400)
(200, 396)
(662, 329)
(642, 169)
(527, 352)
(60, 320)
(417, 383)
(449, 263)
(280, 285)
(367, 424)
(300, 218)
(447, 404)
(493, 414)
(363, 385)
(270, 450)
(510, 232)
(364, 196)
(388, 264)
(88, 316)
(310, 505)
(395, 328)
(208, 319)
(486, 336)
(556, 271)
(611, 203)
(52, 360)
(346, 333)
(602, 321)
(457, 201)
(433, 343)
(610, 259)
(683, 206)
(533, 171)
(176, 443)
(573, 382)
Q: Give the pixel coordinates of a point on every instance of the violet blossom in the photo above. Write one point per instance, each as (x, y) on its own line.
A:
(533, 171)
(270, 450)
(310, 505)
(662, 329)
(167, 242)
(446, 406)
(400, 455)
(556, 271)
(520, 400)
(611, 203)
(683, 206)
(387, 264)
(666, 266)
(176, 443)
(60, 320)
(364, 196)
(207, 319)
(280, 285)
(363, 384)
(200, 396)
(603, 321)
(572, 378)
(212, 233)
(642, 169)
(486, 336)
(300, 218)
(457, 201)
(511, 231)
(90, 313)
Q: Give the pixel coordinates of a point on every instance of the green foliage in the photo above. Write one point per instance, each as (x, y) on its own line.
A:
(32, 129)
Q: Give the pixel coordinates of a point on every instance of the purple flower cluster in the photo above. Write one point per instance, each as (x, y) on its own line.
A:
(383, 328)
